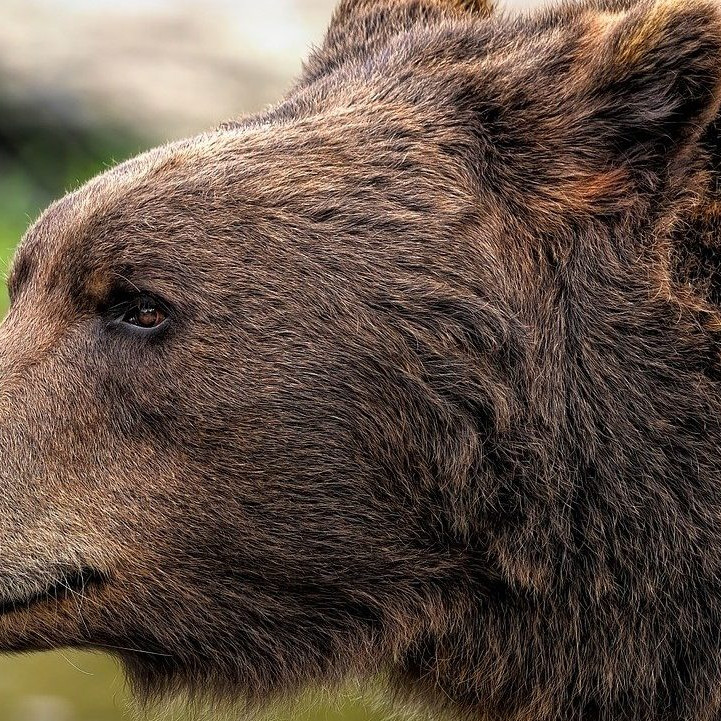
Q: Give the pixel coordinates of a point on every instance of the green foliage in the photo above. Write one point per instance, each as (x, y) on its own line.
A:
(73, 686)
(16, 207)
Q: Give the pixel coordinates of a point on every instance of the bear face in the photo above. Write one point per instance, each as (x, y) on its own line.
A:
(398, 375)
(99, 265)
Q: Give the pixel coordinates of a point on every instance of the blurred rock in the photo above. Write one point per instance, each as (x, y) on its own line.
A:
(164, 68)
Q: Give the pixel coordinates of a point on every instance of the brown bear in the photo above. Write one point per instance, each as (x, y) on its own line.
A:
(416, 372)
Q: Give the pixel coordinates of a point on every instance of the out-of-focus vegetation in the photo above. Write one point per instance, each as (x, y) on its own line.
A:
(73, 686)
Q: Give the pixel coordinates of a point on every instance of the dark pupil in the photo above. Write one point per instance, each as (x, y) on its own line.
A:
(146, 314)
(147, 317)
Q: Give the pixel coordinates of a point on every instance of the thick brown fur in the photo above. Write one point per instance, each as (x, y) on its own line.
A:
(438, 392)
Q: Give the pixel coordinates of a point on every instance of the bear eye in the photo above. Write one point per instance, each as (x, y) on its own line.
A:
(138, 310)
(144, 312)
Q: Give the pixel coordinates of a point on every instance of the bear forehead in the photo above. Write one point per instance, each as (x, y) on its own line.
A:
(110, 219)
(254, 176)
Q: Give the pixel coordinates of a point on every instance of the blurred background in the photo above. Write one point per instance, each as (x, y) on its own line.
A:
(83, 85)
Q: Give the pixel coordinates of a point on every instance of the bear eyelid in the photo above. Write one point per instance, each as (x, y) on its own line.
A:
(128, 309)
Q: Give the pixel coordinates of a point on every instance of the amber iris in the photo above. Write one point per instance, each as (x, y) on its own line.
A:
(145, 314)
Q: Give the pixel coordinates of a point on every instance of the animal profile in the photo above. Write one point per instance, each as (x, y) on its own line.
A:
(415, 372)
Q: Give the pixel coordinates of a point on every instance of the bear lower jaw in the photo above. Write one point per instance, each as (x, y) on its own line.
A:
(71, 583)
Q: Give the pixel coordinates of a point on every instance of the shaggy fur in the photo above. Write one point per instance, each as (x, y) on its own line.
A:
(438, 392)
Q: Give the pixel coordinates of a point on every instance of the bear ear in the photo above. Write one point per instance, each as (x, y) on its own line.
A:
(696, 247)
(348, 9)
(614, 103)
(484, 8)
(360, 26)
(649, 83)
